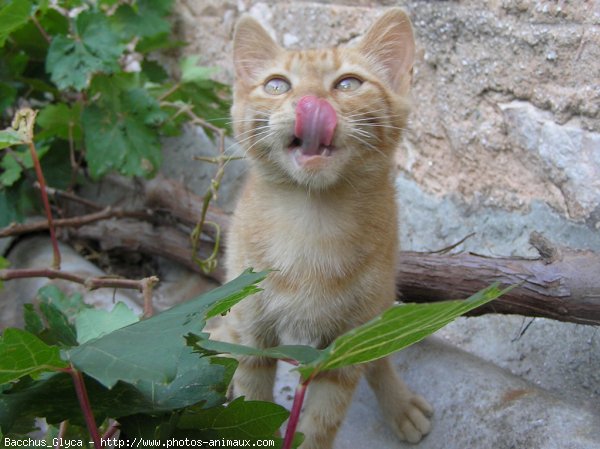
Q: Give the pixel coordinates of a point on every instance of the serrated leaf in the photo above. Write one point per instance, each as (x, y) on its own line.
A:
(12, 16)
(147, 19)
(14, 162)
(69, 305)
(59, 330)
(123, 139)
(23, 354)
(149, 350)
(240, 419)
(60, 120)
(33, 322)
(9, 137)
(93, 323)
(202, 382)
(11, 170)
(71, 62)
(397, 328)
(299, 353)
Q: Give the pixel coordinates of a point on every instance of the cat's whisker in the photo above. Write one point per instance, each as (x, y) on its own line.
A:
(378, 117)
(364, 113)
(245, 139)
(268, 134)
(258, 128)
(251, 120)
(381, 125)
(364, 142)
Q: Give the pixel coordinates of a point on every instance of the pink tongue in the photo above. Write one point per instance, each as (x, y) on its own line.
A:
(315, 123)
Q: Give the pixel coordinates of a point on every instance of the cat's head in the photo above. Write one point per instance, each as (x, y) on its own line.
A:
(319, 117)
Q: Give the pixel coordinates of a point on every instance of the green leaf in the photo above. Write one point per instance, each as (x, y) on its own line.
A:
(3, 264)
(191, 72)
(14, 162)
(302, 354)
(11, 170)
(198, 382)
(395, 329)
(23, 354)
(59, 331)
(60, 120)
(15, 202)
(71, 62)
(154, 71)
(238, 420)
(57, 311)
(68, 305)
(149, 350)
(33, 322)
(9, 137)
(93, 323)
(145, 20)
(12, 16)
(124, 138)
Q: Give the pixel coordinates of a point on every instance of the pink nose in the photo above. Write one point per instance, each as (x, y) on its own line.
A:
(315, 123)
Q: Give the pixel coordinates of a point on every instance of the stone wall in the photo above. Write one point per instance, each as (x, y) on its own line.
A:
(504, 136)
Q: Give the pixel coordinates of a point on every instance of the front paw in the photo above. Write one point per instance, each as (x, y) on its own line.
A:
(411, 420)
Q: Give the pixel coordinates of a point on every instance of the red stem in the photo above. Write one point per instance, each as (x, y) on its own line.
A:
(86, 408)
(42, 181)
(295, 414)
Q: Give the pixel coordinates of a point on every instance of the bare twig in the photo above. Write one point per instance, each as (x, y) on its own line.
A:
(73, 222)
(207, 264)
(143, 285)
(57, 193)
(41, 29)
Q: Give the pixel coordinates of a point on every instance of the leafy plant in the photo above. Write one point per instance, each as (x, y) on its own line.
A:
(169, 375)
(81, 77)
(103, 99)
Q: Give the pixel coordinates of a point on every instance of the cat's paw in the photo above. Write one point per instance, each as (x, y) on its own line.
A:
(411, 421)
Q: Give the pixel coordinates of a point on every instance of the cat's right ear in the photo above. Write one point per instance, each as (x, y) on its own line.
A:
(253, 49)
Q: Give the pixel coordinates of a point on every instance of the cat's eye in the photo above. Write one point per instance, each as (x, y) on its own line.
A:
(348, 84)
(277, 86)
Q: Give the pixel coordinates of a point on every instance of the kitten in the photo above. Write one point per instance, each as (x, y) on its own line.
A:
(320, 128)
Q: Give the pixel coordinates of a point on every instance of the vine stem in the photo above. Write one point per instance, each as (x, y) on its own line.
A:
(42, 181)
(295, 414)
(86, 408)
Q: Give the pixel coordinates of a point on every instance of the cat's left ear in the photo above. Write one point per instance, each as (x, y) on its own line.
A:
(389, 44)
(253, 49)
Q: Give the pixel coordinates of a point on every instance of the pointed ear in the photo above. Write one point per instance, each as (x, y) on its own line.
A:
(253, 49)
(389, 45)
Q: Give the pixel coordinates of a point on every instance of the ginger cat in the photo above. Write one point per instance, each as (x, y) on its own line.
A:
(320, 128)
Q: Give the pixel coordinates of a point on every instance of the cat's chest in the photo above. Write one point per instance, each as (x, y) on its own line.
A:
(310, 237)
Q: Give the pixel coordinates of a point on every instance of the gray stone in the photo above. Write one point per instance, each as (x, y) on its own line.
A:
(430, 222)
(477, 405)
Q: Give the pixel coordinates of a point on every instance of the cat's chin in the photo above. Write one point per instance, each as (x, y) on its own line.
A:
(311, 161)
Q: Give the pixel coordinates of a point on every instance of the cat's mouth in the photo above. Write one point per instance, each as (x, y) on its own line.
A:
(309, 156)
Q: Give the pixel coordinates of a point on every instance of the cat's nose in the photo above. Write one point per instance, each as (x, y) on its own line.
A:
(316, 120)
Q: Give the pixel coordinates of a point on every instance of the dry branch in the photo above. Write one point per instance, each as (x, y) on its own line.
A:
(562, 284)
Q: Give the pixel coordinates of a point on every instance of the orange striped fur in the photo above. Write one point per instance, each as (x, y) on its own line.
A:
(329, 228)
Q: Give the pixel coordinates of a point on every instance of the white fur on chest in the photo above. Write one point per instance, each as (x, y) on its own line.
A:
(309, 235)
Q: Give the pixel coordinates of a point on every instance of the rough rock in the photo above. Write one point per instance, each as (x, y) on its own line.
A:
(506, 96)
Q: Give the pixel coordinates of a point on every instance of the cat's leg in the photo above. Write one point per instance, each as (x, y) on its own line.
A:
(327, 401)
(407, 412)
(254, 378)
